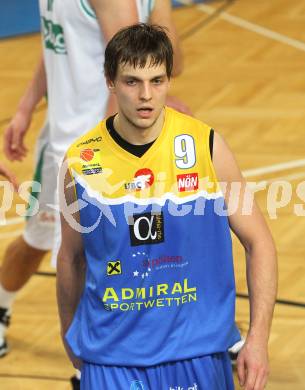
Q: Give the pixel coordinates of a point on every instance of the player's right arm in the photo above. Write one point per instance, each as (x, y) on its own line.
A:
(14, 148)
(70, 260)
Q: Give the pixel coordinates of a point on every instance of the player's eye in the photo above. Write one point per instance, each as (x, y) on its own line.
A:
(131, 82)
(157, 81)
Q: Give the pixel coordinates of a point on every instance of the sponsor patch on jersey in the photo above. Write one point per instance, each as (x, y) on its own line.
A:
(143, 178)
(194, 387)
(87, 154)
(146, 228)
(89, 141)
(114, 268)
(187, 182)
(92, 171)
(91, 157)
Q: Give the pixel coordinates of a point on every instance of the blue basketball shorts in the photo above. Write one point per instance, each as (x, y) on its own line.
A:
(212, 372)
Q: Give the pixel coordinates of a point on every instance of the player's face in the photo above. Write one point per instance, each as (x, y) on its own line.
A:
(141, 93)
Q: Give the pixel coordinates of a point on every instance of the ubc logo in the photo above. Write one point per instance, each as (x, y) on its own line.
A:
(146, 228)
(143, 178)
(137, 385)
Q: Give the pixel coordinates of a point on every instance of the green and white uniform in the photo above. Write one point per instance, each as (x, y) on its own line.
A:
(77, 95)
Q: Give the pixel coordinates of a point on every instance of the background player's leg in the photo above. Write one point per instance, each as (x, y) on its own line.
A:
(20, 262)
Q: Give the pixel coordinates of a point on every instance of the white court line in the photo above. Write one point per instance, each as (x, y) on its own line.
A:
(237, 21)
(11, 221)
(263, 183)
(274, 168)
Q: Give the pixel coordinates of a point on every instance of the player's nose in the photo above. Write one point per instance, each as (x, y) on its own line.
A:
(145, 91)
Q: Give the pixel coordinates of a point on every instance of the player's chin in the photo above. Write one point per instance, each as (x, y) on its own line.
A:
(145, 123)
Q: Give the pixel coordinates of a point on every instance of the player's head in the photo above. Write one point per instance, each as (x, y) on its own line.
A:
(138, 66)
(136, 45)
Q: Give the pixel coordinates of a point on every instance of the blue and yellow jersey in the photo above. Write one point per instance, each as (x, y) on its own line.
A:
(159, 279)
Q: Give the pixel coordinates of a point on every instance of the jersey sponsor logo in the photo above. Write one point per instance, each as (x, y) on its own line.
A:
(89, 141)
(92, 171)
(137, 385)
(187, 182)
(162, 261)
(54, 36)
(87, 154)
(91, 156)
(146, 228)
(114, 268)
(194, 387)
(143, 178)
(144, 298)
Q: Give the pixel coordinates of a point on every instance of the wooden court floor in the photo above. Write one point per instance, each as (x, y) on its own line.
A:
(244, 75)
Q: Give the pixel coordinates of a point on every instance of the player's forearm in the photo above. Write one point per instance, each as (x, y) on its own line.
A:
(35, 90)
(262, 285)
(70, 283)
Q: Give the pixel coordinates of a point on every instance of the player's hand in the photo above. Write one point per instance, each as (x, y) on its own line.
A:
(8, 175)
(14, 148)
(252, 365)
(77, 363)
(178, 105)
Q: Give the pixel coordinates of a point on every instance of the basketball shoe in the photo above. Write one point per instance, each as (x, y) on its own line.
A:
(5, 317)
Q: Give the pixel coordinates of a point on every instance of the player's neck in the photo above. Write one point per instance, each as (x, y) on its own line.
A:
(137, 135)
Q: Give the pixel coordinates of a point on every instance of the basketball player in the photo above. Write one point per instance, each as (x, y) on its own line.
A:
(74, 36)
(8, 175)
(145, 280)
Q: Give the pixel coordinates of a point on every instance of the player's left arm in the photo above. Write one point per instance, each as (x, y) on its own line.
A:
(112, 16)
(162, 14)
(261, 264)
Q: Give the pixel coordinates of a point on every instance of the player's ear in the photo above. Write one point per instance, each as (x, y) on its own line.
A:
(110, 85)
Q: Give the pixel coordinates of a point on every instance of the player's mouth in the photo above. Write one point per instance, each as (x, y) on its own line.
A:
(145, 112)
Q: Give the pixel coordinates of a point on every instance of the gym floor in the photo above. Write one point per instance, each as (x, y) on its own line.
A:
(244, 75)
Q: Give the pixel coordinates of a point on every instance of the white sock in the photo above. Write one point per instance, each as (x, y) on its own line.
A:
(6, 298)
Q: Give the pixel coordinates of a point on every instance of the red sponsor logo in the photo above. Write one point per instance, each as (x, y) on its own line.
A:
(187, 182)
(143, 178)
(87, 154)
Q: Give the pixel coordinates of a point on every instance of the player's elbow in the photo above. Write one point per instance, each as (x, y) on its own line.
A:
(70, 258)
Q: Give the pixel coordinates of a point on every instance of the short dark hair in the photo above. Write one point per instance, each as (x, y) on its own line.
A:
(134, 44)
